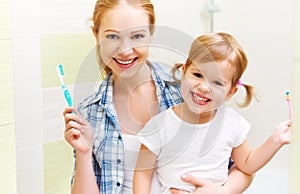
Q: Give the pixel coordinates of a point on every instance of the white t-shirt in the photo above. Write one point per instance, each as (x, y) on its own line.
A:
(132, 147)
(199, 149)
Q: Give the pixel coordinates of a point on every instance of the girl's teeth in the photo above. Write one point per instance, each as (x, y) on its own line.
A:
(124, 62)
(200, 98)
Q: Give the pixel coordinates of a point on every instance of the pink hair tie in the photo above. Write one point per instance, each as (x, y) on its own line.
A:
(240, 83)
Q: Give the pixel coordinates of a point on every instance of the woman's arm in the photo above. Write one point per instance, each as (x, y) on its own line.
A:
(144, 171)
(79, 134)
(84, 178)
(237, 183)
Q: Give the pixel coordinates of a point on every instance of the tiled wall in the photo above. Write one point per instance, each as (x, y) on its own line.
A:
(7, 121)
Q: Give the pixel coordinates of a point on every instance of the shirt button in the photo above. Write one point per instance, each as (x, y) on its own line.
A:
(118, 184)
(119, 137)
(119, 161)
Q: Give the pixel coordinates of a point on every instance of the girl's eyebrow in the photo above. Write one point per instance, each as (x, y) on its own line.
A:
(193, 67)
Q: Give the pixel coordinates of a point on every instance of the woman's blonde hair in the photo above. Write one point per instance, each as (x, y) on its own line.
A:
(103, 6)
(219, 47)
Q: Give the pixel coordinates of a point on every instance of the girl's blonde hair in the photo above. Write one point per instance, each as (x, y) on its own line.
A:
(219, 47)
(103, 6)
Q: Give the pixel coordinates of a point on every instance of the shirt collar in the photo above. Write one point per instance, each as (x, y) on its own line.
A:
(104, 95)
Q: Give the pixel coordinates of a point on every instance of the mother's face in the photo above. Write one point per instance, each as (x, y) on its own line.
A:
(124, 38)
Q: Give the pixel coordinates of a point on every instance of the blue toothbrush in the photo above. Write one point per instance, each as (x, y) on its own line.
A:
(60, 73)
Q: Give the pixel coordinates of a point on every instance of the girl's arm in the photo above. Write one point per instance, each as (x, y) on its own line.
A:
(144, 171)
(79, 134)
(237, 181)
(250, 161)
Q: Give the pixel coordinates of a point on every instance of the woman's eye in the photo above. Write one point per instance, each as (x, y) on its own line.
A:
(112, 36)
(138, 36)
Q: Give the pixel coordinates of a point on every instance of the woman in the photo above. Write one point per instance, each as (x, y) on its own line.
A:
(133, 90)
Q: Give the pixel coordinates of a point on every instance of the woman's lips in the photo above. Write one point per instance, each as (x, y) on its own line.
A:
(125, 62)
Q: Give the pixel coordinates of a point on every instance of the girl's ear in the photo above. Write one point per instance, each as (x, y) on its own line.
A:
(231, 92)
(183, 68)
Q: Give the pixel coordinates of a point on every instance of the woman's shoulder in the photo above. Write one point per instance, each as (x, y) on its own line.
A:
(164, 71)
(95, 91)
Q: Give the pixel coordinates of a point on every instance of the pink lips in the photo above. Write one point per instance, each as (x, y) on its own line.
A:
(199, 99)
(125, 64)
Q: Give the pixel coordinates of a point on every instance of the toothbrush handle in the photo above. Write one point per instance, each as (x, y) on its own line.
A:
(68, 97)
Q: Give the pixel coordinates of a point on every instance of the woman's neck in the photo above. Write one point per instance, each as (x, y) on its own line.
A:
(125, 86)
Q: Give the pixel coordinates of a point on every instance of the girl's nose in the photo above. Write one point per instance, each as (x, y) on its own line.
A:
(204, 86)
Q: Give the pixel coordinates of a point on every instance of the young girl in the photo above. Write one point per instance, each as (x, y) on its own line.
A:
(199, 135)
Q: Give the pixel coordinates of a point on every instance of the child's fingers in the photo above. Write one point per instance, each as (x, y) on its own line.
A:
(289, 123)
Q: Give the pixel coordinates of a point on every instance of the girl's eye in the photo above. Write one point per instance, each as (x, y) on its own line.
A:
(112, 36)
(138, 36)
(198, 75)
(218, 83)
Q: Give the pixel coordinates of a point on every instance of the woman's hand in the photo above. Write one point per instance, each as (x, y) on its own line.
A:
(203, 186)
(78, 132)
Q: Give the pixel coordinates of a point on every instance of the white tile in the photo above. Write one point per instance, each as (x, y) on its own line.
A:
(30, 167)
(54, 104)
(65, 18)
(8, 167)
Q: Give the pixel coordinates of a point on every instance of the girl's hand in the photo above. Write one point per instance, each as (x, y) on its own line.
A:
(203, 186)
(78, 132)
(283, 132)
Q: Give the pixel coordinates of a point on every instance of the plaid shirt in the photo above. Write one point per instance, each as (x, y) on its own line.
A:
(99, 111)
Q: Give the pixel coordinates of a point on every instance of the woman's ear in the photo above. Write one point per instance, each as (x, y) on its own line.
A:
(231, 92)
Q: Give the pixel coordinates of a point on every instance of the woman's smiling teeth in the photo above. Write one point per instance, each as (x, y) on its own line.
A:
(125, 62)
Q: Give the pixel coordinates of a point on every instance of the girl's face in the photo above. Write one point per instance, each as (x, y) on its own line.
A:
(124, 39)
(207, 86)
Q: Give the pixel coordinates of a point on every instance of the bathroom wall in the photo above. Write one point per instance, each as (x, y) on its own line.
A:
(35, 36)
(7, 121)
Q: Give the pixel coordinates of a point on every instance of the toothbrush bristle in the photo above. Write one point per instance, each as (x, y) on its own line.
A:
(287, 95)
(60, 69)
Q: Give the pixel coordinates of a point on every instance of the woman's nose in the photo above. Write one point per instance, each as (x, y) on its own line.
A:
(126, 47)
